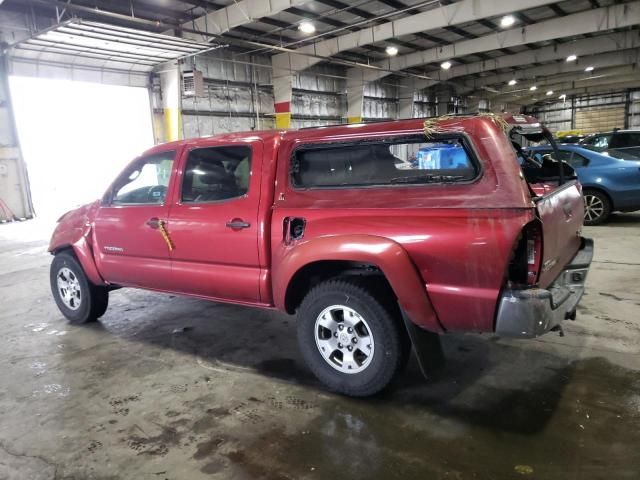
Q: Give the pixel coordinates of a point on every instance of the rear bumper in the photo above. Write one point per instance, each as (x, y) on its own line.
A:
(529, 313)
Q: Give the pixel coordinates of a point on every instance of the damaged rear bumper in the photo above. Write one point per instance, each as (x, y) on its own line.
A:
(529, 313)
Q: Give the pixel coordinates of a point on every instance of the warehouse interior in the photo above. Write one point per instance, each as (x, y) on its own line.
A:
(174, 387)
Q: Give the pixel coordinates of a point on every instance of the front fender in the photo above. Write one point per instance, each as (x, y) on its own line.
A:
(74, 231)
(387, 255)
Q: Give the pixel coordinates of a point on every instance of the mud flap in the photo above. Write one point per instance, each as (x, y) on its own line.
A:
(426, 346)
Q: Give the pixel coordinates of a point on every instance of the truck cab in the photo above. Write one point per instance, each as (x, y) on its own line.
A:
(376, 237)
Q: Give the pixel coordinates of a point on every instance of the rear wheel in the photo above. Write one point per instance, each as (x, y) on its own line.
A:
(349, 339)
(597, 207)
(78, 299)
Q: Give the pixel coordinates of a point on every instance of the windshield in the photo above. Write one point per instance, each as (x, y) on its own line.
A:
(612, 152)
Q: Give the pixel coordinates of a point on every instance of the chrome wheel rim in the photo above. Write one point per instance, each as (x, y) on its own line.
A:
(593, 207)
(69, 288)
(344, 339)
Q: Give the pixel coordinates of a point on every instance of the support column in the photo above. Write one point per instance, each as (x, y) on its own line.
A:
(15, 198)
(355, 95)
(406, 95)
(171, 101)
(282, 90)
(443, 99)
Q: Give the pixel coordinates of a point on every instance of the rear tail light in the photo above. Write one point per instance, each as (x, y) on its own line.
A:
(524, 268)
(533, 235)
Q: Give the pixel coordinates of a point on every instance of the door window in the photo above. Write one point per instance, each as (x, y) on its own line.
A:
(601, 141)
(625, 140)
(146, 182)
(216, 173)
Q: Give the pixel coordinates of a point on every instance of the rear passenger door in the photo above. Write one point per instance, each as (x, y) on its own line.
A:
(214, 222)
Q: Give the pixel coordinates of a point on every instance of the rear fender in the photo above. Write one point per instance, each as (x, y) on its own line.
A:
(387, 255)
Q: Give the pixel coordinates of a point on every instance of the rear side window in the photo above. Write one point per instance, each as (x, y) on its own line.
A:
(366, 164)
(625, 140)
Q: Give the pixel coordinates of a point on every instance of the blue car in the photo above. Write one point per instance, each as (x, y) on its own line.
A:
(610, 178)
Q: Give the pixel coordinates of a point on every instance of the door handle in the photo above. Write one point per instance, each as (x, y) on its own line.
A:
(237, 224)
(153, 222)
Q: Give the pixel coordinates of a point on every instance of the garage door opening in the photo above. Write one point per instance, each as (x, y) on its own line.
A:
(76, 137)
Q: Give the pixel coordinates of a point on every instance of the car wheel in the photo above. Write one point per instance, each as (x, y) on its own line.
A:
(351, 341)
(78, 299)
(597, 207)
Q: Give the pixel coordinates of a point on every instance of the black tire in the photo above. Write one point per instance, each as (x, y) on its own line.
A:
(597, 207)
(93, 300)
(391, 345)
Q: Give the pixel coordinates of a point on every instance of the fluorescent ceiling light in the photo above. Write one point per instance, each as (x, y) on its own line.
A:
(572, 58)
(391, 50)
(550, 92)
(589, 69)
(446, 65)
(513, 82)
(507, 21)
(307, 27)
(533, 87)
(563, 96)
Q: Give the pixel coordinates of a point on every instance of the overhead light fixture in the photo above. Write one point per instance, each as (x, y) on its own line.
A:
(307, 27)
(550, 92)
(513, 81)
(533, 87)
(445, 65)
(391, 50)
(507, 21)
(563, 96)
(572, 58)
(589, 69)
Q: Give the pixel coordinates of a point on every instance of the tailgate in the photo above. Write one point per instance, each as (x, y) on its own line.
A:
(561, 213)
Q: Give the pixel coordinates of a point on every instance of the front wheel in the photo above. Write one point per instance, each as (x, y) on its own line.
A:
(597, 207)
(78, 299)
(349, 339)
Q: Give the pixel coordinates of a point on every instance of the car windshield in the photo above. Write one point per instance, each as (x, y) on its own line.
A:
(612, 152)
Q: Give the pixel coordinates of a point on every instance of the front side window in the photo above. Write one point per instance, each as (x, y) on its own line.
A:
(216, 173)
(383, 163)
(146, 182)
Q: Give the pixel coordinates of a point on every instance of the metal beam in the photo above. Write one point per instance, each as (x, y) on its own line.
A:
(569, 80)
(441, 17)
(623, 85)
(590, 21)
(583, 47)
(238, 13)
(623, 75)
(605, 60)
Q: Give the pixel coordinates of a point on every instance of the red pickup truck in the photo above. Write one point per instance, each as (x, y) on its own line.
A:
(377, 236)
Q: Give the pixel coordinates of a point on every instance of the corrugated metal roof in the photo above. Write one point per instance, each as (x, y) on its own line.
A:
(83, 43)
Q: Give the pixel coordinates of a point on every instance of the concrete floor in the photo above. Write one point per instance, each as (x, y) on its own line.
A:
(175, 388)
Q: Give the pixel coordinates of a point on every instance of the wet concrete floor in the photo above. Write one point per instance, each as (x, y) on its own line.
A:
(167, 387)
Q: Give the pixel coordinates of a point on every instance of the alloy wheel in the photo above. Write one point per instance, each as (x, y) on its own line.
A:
(69, 288)
(344, 339)
(593, 207)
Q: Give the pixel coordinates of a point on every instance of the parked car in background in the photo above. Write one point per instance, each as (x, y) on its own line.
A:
(624, 140)
(610, 178)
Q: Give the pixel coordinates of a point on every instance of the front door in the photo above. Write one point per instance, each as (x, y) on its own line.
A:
(130, 249)
(214, 223)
